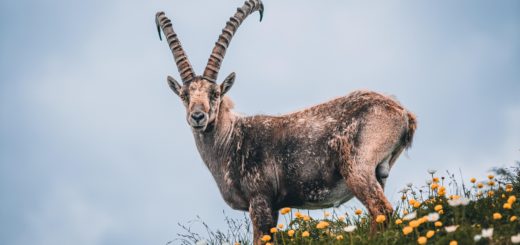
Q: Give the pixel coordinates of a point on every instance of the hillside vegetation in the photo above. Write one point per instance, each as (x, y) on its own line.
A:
(443, 211)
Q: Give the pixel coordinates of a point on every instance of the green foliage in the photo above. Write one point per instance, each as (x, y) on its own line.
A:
(427, 212)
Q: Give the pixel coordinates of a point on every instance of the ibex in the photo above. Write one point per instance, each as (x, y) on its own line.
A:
(314, 158)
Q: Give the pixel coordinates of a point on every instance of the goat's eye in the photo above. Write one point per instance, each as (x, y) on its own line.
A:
(215, 94)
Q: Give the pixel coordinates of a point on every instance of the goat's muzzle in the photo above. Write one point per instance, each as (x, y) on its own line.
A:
(198, 120)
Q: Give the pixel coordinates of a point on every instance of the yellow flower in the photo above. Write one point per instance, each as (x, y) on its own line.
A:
(414, 223)
(423, 220)
(430, 233)
(280, 226)
(497, 216)
(237, 243)
(405, 212)
(341, 218)
(266, 238)
(491, 183)
(509, 189)
(273, 230)
(305, 234)
(326, 214)
(290, 233)
(441, 211)
(422, 240)
(358, 212)
(491, 193)
(491, 176)
(322, 225)
(412, 202)
(284, 211)
(437, 207)
(407, 230)
(339, 237)
(306, 217)
(298, 215)
(268, 243)
(438, 224)
(441, 191)
(416, 204)
(380, 219)
(511, 199)
(480, 185)
(453, 242)
(507, 205)
(435, 179)
(398, 222)
(473, 180)
(513, 218)
(434, 186)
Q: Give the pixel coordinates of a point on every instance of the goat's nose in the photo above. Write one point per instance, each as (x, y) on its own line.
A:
(197, 116)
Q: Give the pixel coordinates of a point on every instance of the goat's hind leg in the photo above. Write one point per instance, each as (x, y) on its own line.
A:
(366, 165)
(361, 180)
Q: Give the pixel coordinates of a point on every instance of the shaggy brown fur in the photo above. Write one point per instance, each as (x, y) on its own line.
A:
(318, 157)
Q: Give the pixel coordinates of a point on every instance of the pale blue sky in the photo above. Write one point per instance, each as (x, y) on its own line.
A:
(94, 148)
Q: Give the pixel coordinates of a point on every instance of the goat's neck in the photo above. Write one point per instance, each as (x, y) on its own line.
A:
(215, 143)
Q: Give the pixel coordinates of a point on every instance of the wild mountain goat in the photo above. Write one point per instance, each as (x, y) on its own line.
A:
(318, 157)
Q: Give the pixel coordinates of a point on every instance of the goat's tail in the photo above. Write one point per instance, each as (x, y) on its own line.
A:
(412, 126)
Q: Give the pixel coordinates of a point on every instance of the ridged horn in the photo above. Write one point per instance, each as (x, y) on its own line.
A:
(183, 64)
(217, 55)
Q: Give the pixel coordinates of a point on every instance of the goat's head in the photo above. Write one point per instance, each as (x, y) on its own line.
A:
(201, 99)
(201, 95)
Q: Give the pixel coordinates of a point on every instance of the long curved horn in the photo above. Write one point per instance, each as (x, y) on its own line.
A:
(217, 55)
(183, 64)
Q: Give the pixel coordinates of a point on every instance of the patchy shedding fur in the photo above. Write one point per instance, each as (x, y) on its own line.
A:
(317, 157)
(305, 160)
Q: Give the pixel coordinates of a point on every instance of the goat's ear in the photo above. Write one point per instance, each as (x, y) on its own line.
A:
(174, 85)
(228, 83)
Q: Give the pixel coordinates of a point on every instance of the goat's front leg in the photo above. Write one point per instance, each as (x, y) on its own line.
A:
(263, 217)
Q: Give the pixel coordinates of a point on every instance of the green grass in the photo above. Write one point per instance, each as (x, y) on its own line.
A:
(472, 206)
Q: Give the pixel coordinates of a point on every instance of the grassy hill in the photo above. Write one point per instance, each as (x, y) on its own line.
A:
(443, 212)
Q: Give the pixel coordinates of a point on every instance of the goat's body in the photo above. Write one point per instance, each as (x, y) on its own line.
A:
(297, 160)
(314, 158)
